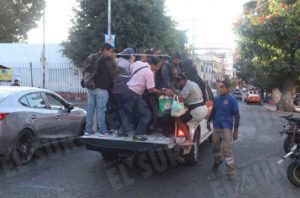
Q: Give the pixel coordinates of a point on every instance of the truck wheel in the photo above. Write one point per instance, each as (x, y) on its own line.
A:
(82, 129)
(287, 144)
(24, 147)
(109, 155)
(293, 173)
(192, 158)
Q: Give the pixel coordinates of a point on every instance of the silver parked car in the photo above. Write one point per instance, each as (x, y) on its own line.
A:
(33, 117)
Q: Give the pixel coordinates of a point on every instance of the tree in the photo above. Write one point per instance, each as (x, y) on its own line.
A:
(269, 43)
(17, 17)
(140, 24)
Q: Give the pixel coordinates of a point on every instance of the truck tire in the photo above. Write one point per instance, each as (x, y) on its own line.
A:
(192, 158)
(109, 155)
(293, 173)
(287, 144)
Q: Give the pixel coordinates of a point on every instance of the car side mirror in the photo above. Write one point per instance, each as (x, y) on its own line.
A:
(69, 106)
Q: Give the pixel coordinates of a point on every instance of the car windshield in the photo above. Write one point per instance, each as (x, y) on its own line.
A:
(3, 95)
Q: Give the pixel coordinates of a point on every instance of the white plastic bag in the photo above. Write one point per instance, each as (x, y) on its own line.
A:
(177, 108)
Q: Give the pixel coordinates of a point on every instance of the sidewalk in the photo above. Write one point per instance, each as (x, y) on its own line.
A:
(274, 108)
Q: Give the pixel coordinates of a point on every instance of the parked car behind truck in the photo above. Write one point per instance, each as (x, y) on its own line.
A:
(33, 117)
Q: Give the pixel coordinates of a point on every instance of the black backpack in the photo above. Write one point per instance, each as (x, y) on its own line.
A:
(89, 71)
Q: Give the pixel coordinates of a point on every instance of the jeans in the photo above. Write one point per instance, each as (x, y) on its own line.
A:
(97, 100)
(140, 108)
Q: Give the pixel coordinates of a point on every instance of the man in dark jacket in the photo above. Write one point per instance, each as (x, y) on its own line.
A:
(103, 65)
(165, 77)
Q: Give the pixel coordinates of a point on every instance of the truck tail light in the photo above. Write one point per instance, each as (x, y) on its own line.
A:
(180, 133)
(3, 116)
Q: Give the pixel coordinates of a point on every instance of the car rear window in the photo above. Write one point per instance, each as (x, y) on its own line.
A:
(3, 95)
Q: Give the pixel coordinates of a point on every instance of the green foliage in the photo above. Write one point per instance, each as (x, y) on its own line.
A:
(141, 24)
(269, 43)
(17, 17)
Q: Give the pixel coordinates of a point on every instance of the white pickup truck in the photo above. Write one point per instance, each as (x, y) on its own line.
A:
(114, 146)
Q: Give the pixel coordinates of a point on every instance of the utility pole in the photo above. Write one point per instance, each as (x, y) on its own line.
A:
(109, 22)
(193, 53)
(43, 56)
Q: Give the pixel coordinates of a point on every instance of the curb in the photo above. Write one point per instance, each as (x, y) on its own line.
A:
(297, 110)
(270, 108)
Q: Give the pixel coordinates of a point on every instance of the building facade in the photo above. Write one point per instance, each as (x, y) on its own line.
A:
(60, 73)
(211, 66)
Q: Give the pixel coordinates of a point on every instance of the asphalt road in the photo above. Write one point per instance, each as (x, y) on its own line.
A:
(65, 171)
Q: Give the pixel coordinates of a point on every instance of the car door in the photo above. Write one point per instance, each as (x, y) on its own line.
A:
(42, 119)
(69, 122)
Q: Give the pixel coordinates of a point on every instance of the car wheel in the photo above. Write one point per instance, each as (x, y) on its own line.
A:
(192, 158)
(24, 147)
(293, 173)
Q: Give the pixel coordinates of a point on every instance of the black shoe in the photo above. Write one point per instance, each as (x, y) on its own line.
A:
(122, 134)
(230, 177)
(140, 138)
(216, 166)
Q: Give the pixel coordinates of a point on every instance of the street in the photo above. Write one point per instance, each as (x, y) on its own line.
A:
(72, 171)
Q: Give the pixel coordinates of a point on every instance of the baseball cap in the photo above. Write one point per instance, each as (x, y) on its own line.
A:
(128, 51)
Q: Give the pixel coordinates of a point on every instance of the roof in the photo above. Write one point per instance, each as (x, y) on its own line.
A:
(22, 53)
(3, 67)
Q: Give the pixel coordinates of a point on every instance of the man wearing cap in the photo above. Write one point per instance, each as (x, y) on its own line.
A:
(142, 78)
(192, 96)
(225, 116)
(103, 65)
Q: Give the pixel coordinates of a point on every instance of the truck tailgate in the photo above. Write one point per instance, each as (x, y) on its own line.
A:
(156, 141)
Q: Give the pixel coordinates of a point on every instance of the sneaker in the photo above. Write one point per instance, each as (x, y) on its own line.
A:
(103, 134)
(140, 138)
(87, 134)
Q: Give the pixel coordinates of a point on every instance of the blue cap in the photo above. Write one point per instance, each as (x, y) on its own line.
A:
(128, 51)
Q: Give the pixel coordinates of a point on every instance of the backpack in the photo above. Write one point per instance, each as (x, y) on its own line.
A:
(89, 71)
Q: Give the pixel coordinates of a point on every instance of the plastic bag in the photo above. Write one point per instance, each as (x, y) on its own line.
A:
(165, 104)
(177, 108)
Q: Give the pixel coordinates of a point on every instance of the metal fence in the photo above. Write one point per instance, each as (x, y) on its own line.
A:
(59, 77)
